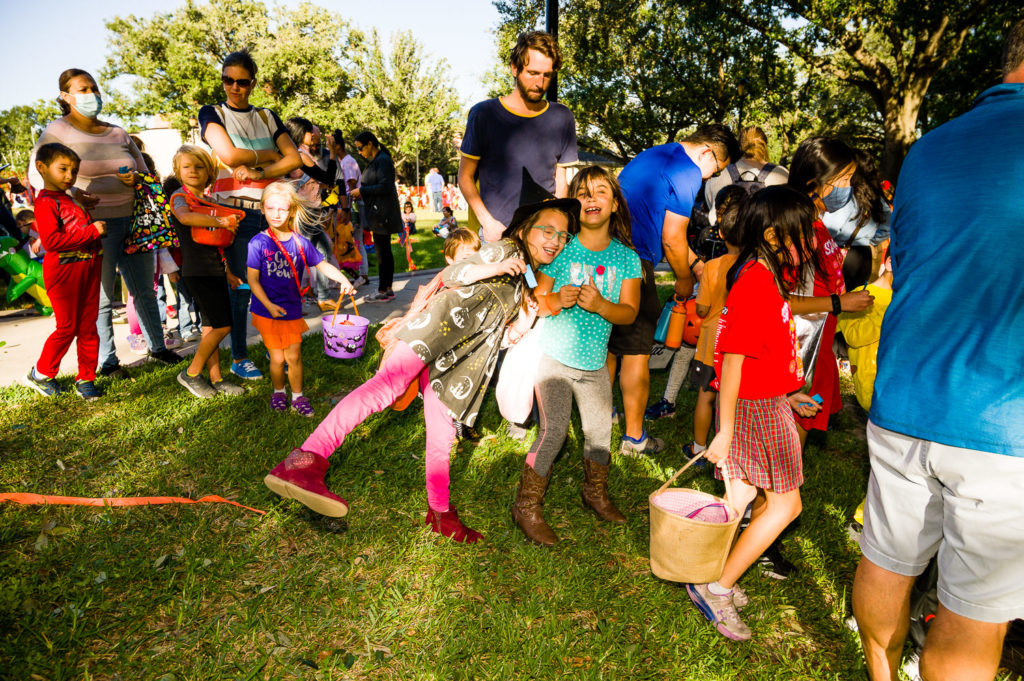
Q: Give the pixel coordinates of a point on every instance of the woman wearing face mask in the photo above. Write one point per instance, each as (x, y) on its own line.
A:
(106, 188)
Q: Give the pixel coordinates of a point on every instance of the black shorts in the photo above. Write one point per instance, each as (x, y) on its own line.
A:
(211, 297)
(701, 375)
(638, 337)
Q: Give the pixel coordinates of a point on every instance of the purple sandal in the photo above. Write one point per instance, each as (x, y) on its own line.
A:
(302, 406)
(279, 402)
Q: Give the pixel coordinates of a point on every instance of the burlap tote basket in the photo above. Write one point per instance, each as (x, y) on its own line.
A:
(691, 532)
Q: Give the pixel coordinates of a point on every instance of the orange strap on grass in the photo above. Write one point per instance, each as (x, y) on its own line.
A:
(45, 499)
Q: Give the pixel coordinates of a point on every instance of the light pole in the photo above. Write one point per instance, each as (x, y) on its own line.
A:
(417, 159)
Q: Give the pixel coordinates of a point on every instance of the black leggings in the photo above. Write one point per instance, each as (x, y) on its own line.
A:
(385, 260)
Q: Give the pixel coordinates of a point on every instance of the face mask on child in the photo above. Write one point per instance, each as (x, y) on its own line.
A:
(837, 198)
(88, 104)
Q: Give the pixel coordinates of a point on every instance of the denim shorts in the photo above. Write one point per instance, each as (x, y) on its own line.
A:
(966, 505)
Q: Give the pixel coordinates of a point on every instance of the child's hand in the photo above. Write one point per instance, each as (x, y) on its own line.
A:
(856, 301)
(590, 298)
(233, 281)
(275, 310)
(127, 179)
(346, 288)
(803, 405)
(568, 296)
(718, 451)
(228, 222)
(512, 266)
(100, 226)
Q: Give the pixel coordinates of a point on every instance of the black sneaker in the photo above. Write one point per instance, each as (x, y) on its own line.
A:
(773, 564)
(116, 372)
(87, 390)
(381, 297)
(44, 385)
(166, 356)
(701, 464)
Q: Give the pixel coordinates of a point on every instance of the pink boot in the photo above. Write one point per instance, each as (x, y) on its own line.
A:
(447, 524)
(301, 477)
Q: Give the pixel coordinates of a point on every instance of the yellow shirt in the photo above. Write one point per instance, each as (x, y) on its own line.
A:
(862, 331)
(712, 293)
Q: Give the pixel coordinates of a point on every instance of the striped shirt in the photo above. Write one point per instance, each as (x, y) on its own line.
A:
(254, 128)
(102, 155)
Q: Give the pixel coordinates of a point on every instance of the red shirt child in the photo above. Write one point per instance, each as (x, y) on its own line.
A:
(71, 270)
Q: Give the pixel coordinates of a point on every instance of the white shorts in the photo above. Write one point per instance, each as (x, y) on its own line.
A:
(965, 504)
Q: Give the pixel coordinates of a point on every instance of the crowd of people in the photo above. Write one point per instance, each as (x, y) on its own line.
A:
(787, 267)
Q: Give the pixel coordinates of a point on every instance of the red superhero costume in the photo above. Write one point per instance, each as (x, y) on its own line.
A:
(71, 271)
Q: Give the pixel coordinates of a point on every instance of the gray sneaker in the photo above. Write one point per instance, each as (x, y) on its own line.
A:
(197, 385)
(228, 388)
(720, 611)
(739, 597)
(647, 445)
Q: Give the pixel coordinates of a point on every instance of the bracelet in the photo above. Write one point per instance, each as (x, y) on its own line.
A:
(837, 305)
(255, 157)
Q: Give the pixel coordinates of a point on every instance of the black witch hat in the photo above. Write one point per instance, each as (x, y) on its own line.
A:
(533, 198)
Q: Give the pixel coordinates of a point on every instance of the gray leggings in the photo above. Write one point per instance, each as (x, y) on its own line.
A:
(556, 387)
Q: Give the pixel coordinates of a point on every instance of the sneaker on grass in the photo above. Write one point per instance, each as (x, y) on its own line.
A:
(660, 410)
(227, 388)
(773, 564)
(166, 356)
(44, 385)
(197, 385)
(646, 445)
(688, 453)
(244, 368)
(87, 390)
(720, 611)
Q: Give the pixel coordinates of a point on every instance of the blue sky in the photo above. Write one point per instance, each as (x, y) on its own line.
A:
(43, 38)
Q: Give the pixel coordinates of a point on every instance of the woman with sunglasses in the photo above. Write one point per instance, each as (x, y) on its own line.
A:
(106, 188)
(381, 216)
(451, 349)
(252, 148)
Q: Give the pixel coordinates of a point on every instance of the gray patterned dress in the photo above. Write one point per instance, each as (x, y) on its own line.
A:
(459, 334)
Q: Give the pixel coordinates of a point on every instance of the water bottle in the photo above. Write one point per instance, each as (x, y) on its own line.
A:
(676, 322)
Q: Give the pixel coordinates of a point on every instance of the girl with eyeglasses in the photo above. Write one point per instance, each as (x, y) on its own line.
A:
(592, 284)
(451, 348)
(251, 148)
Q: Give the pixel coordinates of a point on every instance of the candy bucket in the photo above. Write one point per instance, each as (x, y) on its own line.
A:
(344, 335)
(692, 532)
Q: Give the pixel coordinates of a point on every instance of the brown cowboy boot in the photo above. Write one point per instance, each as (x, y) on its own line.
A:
(527, 510)
(595, 492)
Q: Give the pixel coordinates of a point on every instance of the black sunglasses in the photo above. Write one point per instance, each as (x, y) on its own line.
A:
(242, 82)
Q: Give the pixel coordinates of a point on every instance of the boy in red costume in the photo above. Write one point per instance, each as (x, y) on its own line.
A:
(71, 270)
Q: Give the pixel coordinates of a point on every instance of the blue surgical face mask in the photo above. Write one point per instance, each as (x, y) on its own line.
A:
(837, 198)
(88, 104)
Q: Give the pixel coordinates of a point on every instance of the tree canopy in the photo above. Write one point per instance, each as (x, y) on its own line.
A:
(639, 72)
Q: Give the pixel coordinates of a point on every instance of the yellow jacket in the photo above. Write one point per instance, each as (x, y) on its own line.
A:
(862, 331)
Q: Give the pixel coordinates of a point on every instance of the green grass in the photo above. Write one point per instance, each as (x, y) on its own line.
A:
(216, 592)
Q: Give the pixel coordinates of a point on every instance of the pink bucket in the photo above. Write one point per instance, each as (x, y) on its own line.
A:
(344, 335)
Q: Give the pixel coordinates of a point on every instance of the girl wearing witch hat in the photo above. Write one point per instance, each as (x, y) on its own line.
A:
(451, 348)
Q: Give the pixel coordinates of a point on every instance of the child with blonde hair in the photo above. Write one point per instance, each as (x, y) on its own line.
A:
(203, 269)
(273, 271)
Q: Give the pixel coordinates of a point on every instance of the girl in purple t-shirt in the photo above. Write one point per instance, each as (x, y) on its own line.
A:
(275, 263)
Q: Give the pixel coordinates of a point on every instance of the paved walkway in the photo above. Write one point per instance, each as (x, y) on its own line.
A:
(23, 332)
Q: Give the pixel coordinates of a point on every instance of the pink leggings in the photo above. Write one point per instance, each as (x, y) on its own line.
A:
(377, 394)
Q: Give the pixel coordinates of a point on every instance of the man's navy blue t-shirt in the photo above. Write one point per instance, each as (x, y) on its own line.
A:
(503, 143)
(659, 179)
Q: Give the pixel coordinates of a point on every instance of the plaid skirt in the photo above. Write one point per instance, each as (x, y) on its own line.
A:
(765, 448)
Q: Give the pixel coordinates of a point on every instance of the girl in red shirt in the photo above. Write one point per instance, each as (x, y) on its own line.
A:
(760, 375)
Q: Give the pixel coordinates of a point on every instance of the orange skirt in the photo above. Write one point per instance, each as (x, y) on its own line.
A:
(279, 334)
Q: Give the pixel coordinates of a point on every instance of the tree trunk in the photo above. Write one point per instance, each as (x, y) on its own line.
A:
(900, 124)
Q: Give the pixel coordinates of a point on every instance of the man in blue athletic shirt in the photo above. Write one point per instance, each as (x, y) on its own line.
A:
(660, 185)
(516, 131)
(946, 434)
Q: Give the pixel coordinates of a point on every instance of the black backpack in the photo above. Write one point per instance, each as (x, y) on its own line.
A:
(751, 185)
